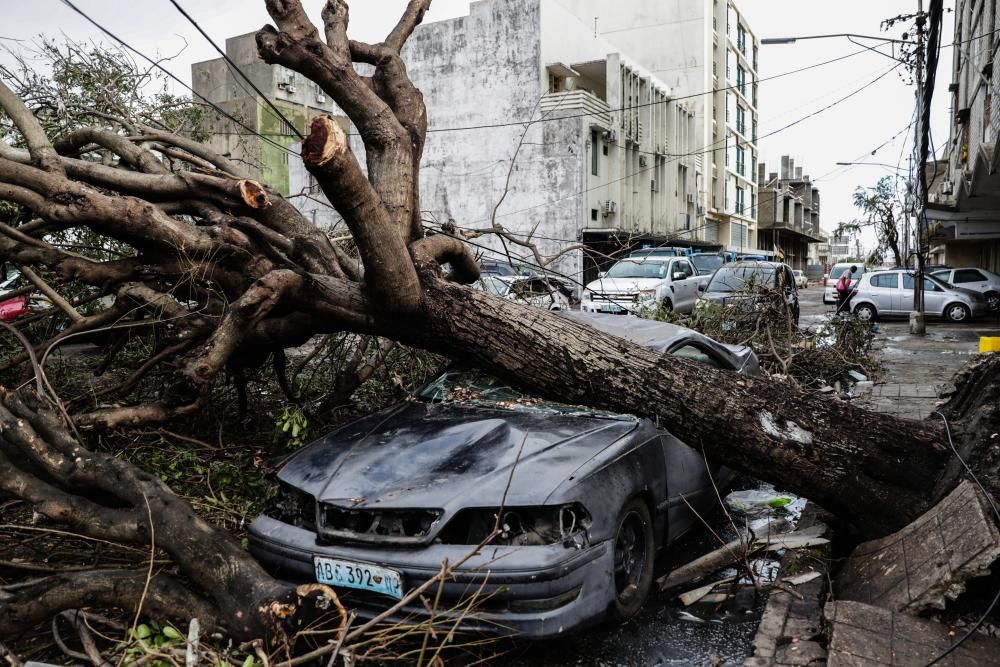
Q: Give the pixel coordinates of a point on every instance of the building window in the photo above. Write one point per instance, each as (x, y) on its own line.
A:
(753, 136)
(741, 120)
(753, 205)
(754, 94)
(740, 161)
(755, 57)
(741, 39)
(594, 141)
(753, 165)
(593, 214)
(741, 80)
(739, 200)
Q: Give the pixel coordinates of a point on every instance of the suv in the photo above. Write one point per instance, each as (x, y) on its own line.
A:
(730, 283)
(891, 293)
(830, 294)
(985, 282)
(643, 282)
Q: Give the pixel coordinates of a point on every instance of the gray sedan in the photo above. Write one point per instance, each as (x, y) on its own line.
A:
(889, 293)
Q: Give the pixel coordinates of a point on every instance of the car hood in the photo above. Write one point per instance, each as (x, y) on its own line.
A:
(622, 285)
(423, 455)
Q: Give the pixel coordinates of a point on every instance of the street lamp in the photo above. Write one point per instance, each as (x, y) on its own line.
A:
(792, 40)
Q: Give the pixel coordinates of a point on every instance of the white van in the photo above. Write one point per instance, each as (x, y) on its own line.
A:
(830, 294)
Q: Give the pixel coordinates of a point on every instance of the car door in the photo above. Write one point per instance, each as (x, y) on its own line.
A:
(883, 290)
(686, 289)
(934, 296)
(973, 279)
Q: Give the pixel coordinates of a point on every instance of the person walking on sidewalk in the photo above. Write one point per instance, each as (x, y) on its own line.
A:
(843, 289)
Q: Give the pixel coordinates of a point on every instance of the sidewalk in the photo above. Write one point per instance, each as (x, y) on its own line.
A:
(917, 370)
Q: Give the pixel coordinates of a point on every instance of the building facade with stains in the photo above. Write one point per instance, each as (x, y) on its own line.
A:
(788, 214)
(298, 99)
(963, 210)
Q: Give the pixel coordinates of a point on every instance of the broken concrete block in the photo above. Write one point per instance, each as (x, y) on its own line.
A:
(860, 634)
(926, 563)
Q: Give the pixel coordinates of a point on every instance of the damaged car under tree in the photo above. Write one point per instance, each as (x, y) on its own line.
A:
(577, 501)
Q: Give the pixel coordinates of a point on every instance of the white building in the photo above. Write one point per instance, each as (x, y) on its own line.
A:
(707, 52)
(609, 159)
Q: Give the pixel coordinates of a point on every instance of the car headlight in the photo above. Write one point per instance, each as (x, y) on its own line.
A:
(520, 526)
(292, 506)
(646, 295)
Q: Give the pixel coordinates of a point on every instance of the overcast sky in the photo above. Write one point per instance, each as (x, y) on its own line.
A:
(845, 133)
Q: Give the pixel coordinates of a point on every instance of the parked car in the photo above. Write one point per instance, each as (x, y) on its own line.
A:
(534, 290)
(645, 282)
(801, 280)
(586, 499)
(24, 304)
(733, 284)
(830, 294)
(490, 268)
(890, 293)
(979, 280)
(707, 263)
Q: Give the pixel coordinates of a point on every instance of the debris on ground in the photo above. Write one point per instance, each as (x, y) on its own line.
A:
(926, 563)
(755, 500)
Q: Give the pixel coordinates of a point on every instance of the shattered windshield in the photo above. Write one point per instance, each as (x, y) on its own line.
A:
(469, 386)
(738, 278)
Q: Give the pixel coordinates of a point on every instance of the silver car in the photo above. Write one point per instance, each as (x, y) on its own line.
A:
(891, 293)
(985, 282)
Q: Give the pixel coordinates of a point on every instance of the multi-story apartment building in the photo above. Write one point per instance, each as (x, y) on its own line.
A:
(707, 51)
(555, 133)
(963, 208)
(787, 213)
(265, 153)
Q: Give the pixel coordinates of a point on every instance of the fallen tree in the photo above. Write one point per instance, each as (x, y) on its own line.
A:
(226, 272)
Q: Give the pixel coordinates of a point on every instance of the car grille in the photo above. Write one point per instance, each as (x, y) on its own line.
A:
(612, 297)
(403, 526)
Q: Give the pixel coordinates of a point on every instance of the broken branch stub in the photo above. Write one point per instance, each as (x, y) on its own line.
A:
(253, 194)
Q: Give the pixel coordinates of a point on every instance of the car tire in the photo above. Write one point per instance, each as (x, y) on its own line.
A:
(633, 554)
(866, 312)
(957, 312)
(993, 299)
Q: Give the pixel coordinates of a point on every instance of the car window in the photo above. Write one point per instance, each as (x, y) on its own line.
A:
(694, 354)
(736, 278)
(943, 275)
(836, 271)
(685, 267)
(887, 280)
(929, 284)
(638, 269)
(707, 263)
(968, 276)
(491, 284)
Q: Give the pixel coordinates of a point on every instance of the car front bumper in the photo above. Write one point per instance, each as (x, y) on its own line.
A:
(530, 591)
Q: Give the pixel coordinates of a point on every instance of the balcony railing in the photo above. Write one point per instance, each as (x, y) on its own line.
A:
(576, 101)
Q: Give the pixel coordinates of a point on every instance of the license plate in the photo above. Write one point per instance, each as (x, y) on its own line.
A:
(351, 574)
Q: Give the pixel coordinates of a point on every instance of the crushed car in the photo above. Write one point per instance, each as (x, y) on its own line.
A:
(582, 499)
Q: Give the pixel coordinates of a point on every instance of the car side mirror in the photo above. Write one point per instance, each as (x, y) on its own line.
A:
(679, 275)
(601, 274)
(702, 287)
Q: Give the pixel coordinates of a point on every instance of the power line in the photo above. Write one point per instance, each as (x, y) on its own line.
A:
(160, 67)
(236, 69)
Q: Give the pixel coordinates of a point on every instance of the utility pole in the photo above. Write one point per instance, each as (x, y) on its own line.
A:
(918, 326)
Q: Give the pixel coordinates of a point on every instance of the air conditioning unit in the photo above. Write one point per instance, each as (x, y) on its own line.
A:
(947, 187)
(610, 207)
(690, 198)
(610, 136)
(643, 161)
(701, 209)
(290, 89)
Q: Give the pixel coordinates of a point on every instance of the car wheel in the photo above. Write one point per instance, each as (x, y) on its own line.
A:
(666, 305)
(957, 312)
(866, 312)
(633, 559)
(993, 299)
